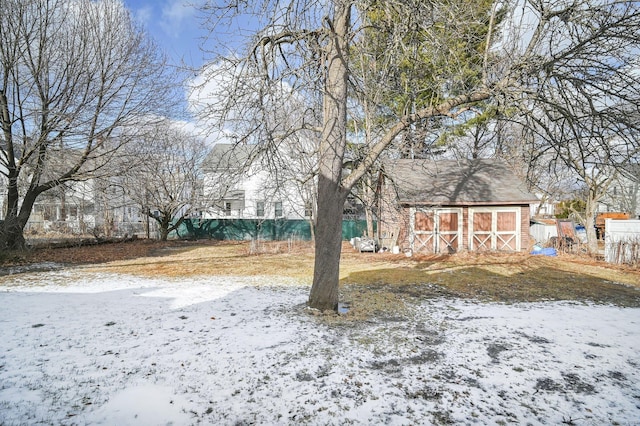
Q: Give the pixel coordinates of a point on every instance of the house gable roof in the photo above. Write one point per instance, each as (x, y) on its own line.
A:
(457, 182)
(225, 157)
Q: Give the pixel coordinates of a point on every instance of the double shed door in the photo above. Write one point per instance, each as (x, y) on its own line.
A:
(436, 230)
(494, 229)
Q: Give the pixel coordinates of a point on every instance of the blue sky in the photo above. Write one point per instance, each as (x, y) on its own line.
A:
(174, 24)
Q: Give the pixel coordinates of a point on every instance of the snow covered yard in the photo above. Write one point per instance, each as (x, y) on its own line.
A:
(94, 348)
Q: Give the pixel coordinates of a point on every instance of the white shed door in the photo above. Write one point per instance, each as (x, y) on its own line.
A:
(494, 229)
(436, 230)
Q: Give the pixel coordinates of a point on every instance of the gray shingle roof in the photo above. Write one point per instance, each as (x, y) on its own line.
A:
(226, 156)
(457, 182)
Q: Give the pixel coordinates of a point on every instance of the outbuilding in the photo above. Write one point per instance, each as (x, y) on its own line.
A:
(543, 230)
(448, 206)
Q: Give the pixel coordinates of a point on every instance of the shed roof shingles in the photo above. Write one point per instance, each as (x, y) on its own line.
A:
(454, 183)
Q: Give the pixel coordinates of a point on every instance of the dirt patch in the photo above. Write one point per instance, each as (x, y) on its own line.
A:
(571, 382)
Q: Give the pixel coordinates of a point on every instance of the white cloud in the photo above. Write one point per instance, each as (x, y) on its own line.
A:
(209, 92)
(228, 100)
(143, 15)
(176, 15)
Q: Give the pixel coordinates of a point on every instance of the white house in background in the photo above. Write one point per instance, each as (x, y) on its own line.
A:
(244, 182)
(68, 208)
(97, 207)
(544, 208)
(93, 206)
(624, 193)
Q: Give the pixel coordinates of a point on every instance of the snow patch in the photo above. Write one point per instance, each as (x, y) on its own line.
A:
(145, 405)
(79, 347)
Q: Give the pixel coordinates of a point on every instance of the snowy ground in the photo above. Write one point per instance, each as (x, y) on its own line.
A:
(84, 348)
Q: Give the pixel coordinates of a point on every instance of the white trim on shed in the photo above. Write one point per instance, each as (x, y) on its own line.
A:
(497, 237)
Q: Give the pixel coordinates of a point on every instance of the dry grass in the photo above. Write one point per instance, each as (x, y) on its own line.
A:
(383, 279)
(372, 282)
(231, 258)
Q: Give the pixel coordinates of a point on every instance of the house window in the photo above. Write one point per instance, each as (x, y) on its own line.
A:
(278, 208)
(308, 209)
(227, 208)
(260, 208)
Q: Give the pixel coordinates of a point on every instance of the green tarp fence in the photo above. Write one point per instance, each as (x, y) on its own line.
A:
(251, 229)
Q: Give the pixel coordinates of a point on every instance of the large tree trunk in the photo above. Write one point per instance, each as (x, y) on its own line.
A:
(328, 244)
(11, 234)
(589, 222)
(12, 231)
(369, 201)
(164, 223)
(331, 193)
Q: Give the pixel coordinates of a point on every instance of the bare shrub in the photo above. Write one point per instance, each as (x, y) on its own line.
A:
(625, 251)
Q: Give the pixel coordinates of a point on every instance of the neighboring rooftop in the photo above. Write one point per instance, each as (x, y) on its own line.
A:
(226, 156)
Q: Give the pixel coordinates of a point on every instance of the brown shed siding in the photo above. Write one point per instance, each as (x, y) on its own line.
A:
(525, 217)
(483, 221)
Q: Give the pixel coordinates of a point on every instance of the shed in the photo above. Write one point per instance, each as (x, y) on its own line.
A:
(447, 206)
